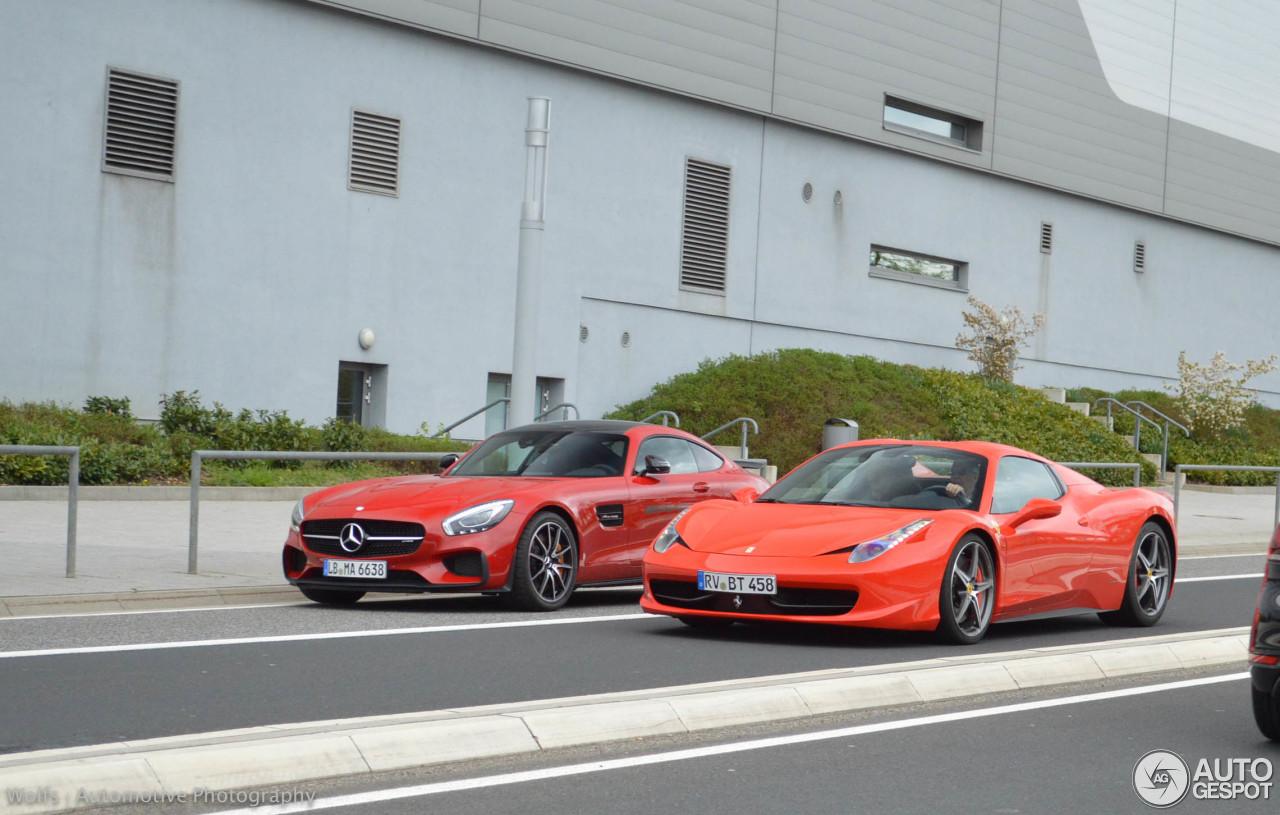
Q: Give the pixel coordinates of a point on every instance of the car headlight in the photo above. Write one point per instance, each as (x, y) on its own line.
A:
(477, 518)
(875, 548)
(669, 535)
(299, 512)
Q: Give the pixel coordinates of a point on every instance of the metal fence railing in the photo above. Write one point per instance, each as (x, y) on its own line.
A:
(1230, 468)
(73, 483)
(241, 455)
(1108, 465)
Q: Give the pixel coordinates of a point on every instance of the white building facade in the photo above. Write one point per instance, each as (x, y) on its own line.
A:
(223, 194)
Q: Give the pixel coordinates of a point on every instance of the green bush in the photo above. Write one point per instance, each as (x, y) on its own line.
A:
(342, 436)
(108, 405)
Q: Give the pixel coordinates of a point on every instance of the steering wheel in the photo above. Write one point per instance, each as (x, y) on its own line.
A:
(941, 489)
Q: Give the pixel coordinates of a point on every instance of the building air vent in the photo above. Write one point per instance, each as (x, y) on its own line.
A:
(375, 153)
(704, 240)
(141, 128)
(1046, 238)
(1139, 257)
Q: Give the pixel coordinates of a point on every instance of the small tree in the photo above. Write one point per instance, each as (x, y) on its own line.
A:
(994, 338)
(1213, 397)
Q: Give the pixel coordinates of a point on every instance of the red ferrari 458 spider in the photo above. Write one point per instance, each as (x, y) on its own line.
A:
(531, 512)
(945, 536)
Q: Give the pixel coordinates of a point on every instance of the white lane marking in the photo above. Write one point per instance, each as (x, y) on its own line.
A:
(422, 790)
(330, 635)
(1179, 581)
(1261, 555)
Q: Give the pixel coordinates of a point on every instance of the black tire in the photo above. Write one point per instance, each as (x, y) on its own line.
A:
(967, 597)
(546, 564)
(1150, 579)
(331, 597)
(1266, 712)
(706, 623)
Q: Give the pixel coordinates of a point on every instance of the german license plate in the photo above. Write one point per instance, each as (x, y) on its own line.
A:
(738, 583)
(367, 569)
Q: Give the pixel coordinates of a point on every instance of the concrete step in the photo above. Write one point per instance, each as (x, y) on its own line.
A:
(1108, 421)
(1133, 441)
(1079, 407)
(732, 451)
(1058, 395)
(1154, 458)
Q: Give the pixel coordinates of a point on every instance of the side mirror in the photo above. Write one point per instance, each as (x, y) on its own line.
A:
(1034, 510)
(448, 461)
(655, 465)
(746, 495)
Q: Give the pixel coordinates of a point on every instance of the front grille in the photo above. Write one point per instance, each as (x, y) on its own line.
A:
(382, 538)
(789, 601)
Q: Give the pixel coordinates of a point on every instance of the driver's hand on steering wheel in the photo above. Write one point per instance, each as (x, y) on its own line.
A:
(956, 491)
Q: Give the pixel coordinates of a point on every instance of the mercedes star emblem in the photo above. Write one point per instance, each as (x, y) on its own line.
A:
(352, 538)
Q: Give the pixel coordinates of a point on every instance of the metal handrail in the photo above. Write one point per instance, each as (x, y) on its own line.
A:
(565, 405)
(1107, 465)
(1168, 420)
(193, 533)
(664, 414)
(1137, 428)
(1230, 468)
(73, 483)
(471, 415)
(744, 421)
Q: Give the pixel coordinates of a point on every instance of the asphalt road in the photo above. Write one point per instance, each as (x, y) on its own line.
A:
(1048, 757)
(58, 699)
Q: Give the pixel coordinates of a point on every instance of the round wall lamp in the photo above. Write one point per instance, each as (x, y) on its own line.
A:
(806, 192)
(365, 338)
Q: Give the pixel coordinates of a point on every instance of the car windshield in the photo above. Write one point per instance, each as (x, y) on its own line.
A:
(547, 453)
(908, 476)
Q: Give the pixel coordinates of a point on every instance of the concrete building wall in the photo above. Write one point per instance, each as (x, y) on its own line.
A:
(250, 276)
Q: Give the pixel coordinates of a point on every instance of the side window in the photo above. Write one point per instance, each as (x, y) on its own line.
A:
(677, 452)
(1018, 480)
(707, 461)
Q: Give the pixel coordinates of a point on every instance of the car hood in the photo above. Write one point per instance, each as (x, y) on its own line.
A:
(787, 530)
(425, 493)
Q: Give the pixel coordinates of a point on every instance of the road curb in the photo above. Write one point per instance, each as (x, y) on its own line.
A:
(107, 602)
(289, 754)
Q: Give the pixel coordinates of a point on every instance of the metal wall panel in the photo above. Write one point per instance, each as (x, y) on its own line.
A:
(1058, 121)
(699, 48)
(837, 61)
(1222, 183)
(460, 17)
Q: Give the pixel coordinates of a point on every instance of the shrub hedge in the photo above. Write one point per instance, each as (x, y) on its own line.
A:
(115, 449)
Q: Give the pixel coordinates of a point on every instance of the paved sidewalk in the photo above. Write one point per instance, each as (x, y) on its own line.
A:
(134, 552)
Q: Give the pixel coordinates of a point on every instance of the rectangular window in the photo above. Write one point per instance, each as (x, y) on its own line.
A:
(911, 267)
(140, 133)
(704, 236)
(375, 153)
(922, 121)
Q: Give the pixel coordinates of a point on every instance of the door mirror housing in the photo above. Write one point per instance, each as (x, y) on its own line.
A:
(448, 461)
(1034, 510)
(746, 495)
(655, 465)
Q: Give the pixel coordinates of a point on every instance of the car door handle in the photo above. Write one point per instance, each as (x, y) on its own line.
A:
(702, 486)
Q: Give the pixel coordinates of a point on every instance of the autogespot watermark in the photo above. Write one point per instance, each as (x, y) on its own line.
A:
(82, 797)
(1162, 779)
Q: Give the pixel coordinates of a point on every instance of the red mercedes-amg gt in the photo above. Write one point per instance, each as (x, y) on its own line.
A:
(532, 512)
(918, 535)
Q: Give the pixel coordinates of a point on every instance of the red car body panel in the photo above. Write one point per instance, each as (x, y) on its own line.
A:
(607, 553)
(1077, 559)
